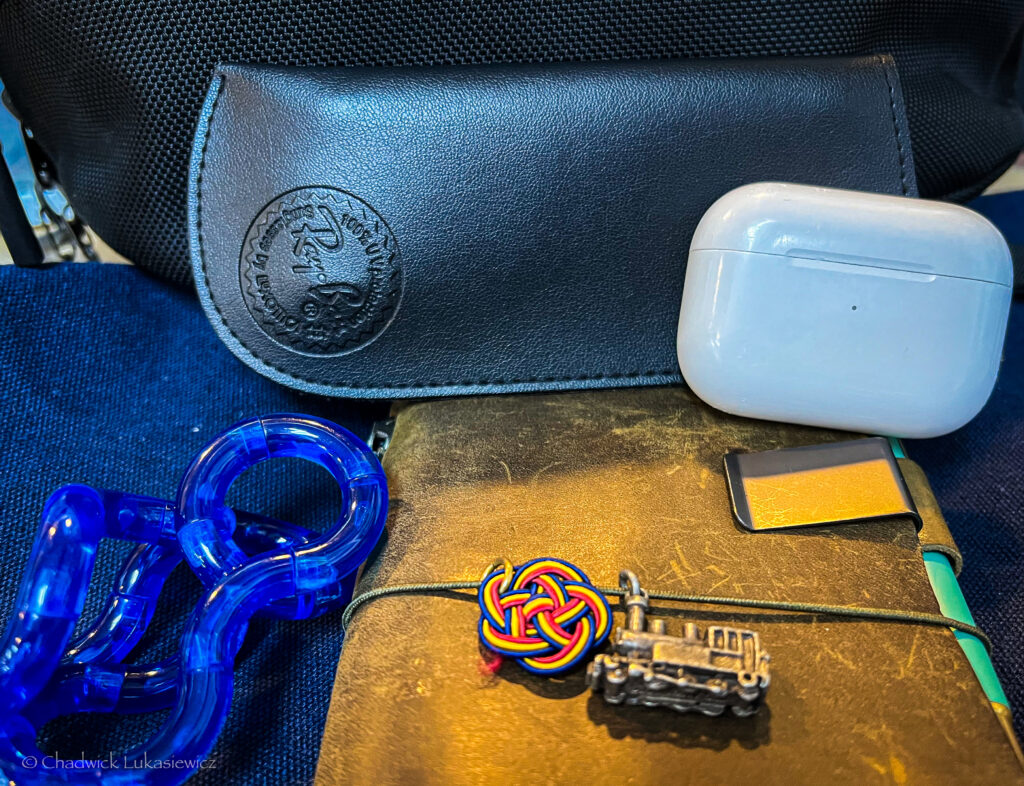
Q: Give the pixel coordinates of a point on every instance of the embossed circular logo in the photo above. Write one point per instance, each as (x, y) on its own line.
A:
(321, 271)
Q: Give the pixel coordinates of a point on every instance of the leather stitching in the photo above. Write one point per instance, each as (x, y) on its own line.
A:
(425, 384)
(653, 376)
(900, 156)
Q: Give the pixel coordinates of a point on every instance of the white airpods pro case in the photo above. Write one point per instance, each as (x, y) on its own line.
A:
(841, 309)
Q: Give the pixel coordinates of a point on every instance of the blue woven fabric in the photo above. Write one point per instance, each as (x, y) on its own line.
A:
(977, 474)
(110, 378)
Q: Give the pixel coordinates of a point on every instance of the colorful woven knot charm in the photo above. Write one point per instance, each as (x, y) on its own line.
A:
(545, 614)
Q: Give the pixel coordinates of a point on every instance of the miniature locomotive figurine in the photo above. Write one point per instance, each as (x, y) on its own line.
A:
(725, 667)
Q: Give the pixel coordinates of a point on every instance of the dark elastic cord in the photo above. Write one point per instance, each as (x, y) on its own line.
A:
(852, 612)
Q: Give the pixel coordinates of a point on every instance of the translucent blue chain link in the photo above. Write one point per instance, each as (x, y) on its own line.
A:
(248, 565)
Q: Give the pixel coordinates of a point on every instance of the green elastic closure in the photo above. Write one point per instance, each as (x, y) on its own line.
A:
(952, 604)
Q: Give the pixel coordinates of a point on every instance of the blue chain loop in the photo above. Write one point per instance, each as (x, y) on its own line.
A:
(248, 564)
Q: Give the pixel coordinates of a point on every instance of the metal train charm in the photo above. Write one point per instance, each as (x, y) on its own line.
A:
(723, 668)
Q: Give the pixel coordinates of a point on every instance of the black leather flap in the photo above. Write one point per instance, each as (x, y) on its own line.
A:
(411, 232)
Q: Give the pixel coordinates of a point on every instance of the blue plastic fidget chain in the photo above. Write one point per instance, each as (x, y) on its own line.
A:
(248, 565)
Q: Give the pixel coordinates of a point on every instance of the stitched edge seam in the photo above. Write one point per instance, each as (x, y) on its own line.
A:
(895, 124)
(357, 386)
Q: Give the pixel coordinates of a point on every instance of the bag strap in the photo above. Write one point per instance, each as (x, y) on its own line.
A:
(14, 224)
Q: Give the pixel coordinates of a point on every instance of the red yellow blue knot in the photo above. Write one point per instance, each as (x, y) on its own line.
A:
(545, 614)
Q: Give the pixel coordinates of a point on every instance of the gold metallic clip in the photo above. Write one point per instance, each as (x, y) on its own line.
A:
(500, 562)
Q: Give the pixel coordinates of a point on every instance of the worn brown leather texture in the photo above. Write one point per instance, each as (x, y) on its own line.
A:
(633, 479)
(934, 534)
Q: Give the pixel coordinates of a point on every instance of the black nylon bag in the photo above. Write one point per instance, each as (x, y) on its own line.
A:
(112, 90)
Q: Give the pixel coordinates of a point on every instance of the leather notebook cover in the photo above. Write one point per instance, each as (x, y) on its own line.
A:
(634, 479)
(401, 232)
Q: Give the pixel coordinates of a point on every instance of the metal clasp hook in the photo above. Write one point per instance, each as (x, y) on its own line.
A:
(635, 600)
(503, 563)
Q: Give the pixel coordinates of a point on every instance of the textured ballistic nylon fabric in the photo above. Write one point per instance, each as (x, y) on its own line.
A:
(107, 377)
(112, 89)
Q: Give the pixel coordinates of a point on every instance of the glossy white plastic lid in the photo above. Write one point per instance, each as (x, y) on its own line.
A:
(835, 225)
(848, 310)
